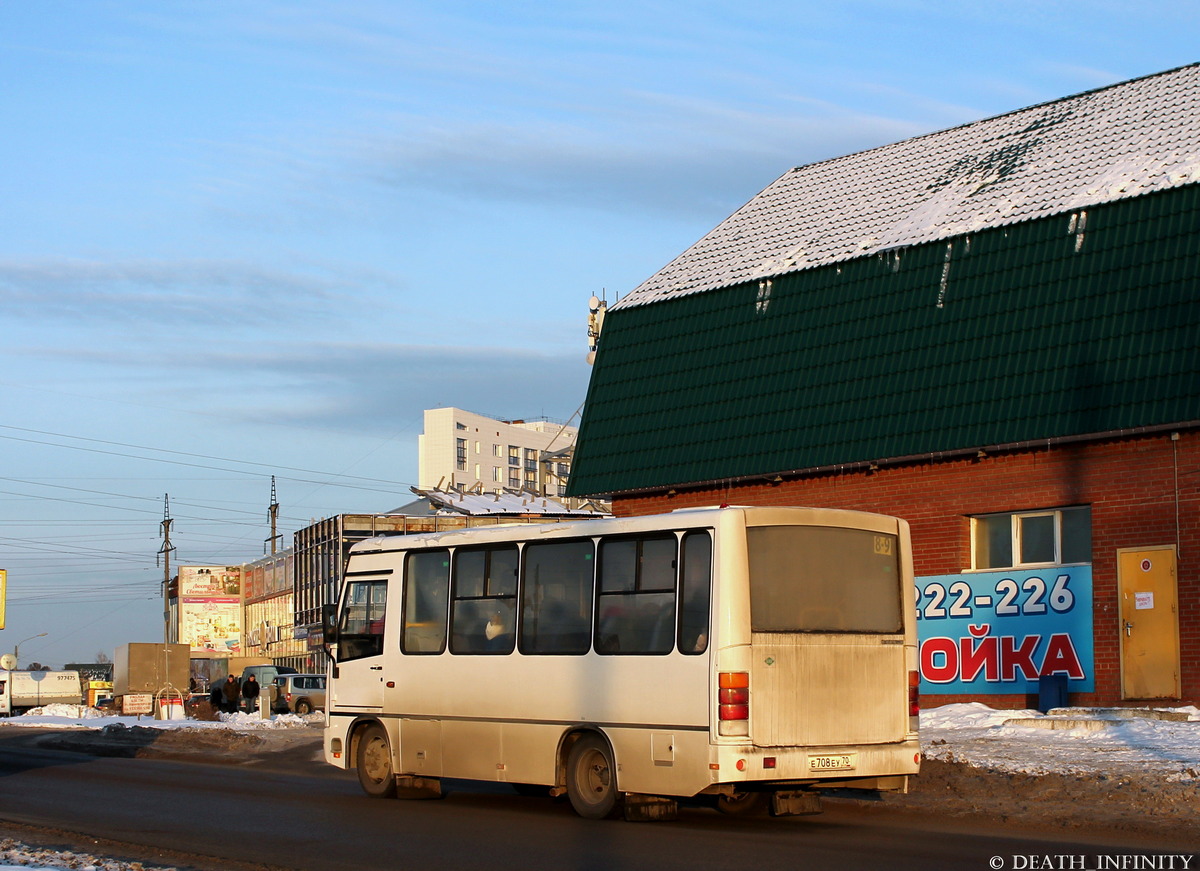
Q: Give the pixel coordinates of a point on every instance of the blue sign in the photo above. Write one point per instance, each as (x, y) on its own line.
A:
(997, 632)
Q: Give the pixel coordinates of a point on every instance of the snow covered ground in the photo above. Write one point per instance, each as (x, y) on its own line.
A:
(1068, 741)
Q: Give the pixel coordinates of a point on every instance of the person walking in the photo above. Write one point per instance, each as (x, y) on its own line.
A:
(231, 693)
(250, 691)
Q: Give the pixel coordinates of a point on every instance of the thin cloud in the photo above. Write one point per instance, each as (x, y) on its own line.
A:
(696, 161)
(376, 386)
(363, 388)
(188, 292)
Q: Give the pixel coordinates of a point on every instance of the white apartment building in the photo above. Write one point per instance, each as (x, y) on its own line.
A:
(467, 450)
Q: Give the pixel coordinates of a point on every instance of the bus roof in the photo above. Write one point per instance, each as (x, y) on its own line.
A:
(680, 518)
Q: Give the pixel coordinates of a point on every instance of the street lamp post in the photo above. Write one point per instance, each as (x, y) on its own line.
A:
(10, 663)
(17, 648)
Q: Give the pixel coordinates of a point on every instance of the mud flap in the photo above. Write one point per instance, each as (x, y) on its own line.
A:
(795, 803)
(649, 808)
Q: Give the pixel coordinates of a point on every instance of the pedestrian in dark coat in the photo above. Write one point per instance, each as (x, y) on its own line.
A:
(250, 691)
(216, 698)
(232, 694)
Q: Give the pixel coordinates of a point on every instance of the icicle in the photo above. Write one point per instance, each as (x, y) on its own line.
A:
(941, 300)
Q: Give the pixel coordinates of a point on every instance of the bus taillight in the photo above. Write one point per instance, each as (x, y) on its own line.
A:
(914, 694)
(733, 708)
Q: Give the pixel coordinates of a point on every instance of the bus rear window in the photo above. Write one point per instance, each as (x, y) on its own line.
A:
(823, 579)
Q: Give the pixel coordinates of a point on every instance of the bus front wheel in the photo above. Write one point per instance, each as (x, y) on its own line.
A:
(592, 778)
(375, 773)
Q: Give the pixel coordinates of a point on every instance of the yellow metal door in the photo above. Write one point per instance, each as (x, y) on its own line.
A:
(1149, 623)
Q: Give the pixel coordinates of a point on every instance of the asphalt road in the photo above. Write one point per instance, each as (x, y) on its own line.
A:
(301, 815)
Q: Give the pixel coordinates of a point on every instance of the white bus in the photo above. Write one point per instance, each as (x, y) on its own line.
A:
(753, 656)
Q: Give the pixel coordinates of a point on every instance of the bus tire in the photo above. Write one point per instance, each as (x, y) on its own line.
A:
(375, 773)
(592, 778)
(743, 804)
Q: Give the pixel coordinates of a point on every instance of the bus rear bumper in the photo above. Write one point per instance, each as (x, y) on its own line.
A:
(876, 767)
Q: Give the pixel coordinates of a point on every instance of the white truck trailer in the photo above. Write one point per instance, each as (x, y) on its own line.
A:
(22, 690)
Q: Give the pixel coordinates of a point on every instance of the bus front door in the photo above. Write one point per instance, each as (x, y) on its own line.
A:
(359, 683)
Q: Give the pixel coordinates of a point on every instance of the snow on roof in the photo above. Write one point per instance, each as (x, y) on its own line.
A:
(509, 502)
(1121, 141)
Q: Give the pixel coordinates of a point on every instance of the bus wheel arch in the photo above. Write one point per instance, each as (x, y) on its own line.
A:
(565, 743)
(589, 774)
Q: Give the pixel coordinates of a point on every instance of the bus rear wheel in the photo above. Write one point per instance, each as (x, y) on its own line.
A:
(743, 804)
(375, 773)
(592, 778)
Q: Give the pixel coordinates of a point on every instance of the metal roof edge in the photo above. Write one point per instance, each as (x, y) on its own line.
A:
(930, 456)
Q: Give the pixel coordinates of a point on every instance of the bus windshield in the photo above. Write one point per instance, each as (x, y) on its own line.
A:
(823, 579)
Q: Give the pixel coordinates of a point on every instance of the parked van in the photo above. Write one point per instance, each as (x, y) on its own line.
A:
(22, 690)
(298, 693)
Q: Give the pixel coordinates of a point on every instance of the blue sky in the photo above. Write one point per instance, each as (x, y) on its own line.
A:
(244, 240)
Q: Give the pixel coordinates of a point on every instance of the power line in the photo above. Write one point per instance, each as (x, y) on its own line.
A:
(22, 544)
(181, 454)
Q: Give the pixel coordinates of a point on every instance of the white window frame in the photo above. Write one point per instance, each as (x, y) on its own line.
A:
(1015, 518)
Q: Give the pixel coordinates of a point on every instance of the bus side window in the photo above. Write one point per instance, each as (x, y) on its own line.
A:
(426, 584)
(635, 605)
(483, 610)
(556, 597)
(695, 585)
(361, 631)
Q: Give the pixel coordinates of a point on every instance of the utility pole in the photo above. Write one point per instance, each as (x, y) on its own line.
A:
(273, 516)
(166, 692)
(165, 553)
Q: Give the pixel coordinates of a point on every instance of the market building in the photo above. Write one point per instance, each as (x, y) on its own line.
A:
(269, 611)
(992, 331)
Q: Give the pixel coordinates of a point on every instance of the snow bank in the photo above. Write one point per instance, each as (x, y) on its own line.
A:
(1092, 743)
(15, 854)
(83, 717)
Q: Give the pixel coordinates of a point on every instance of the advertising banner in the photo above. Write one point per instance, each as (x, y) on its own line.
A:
(211, 624)
(998, 632)
(271, 576)
(253, 578)
(210, 582)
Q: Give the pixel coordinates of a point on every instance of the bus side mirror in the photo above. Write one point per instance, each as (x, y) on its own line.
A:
(329, 625)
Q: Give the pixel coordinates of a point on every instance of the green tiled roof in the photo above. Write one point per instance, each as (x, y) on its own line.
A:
(1080, 323)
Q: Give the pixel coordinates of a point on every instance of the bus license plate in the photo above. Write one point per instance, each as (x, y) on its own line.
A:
(841, 762)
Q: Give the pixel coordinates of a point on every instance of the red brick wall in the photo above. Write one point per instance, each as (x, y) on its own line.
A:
(1129, 483)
